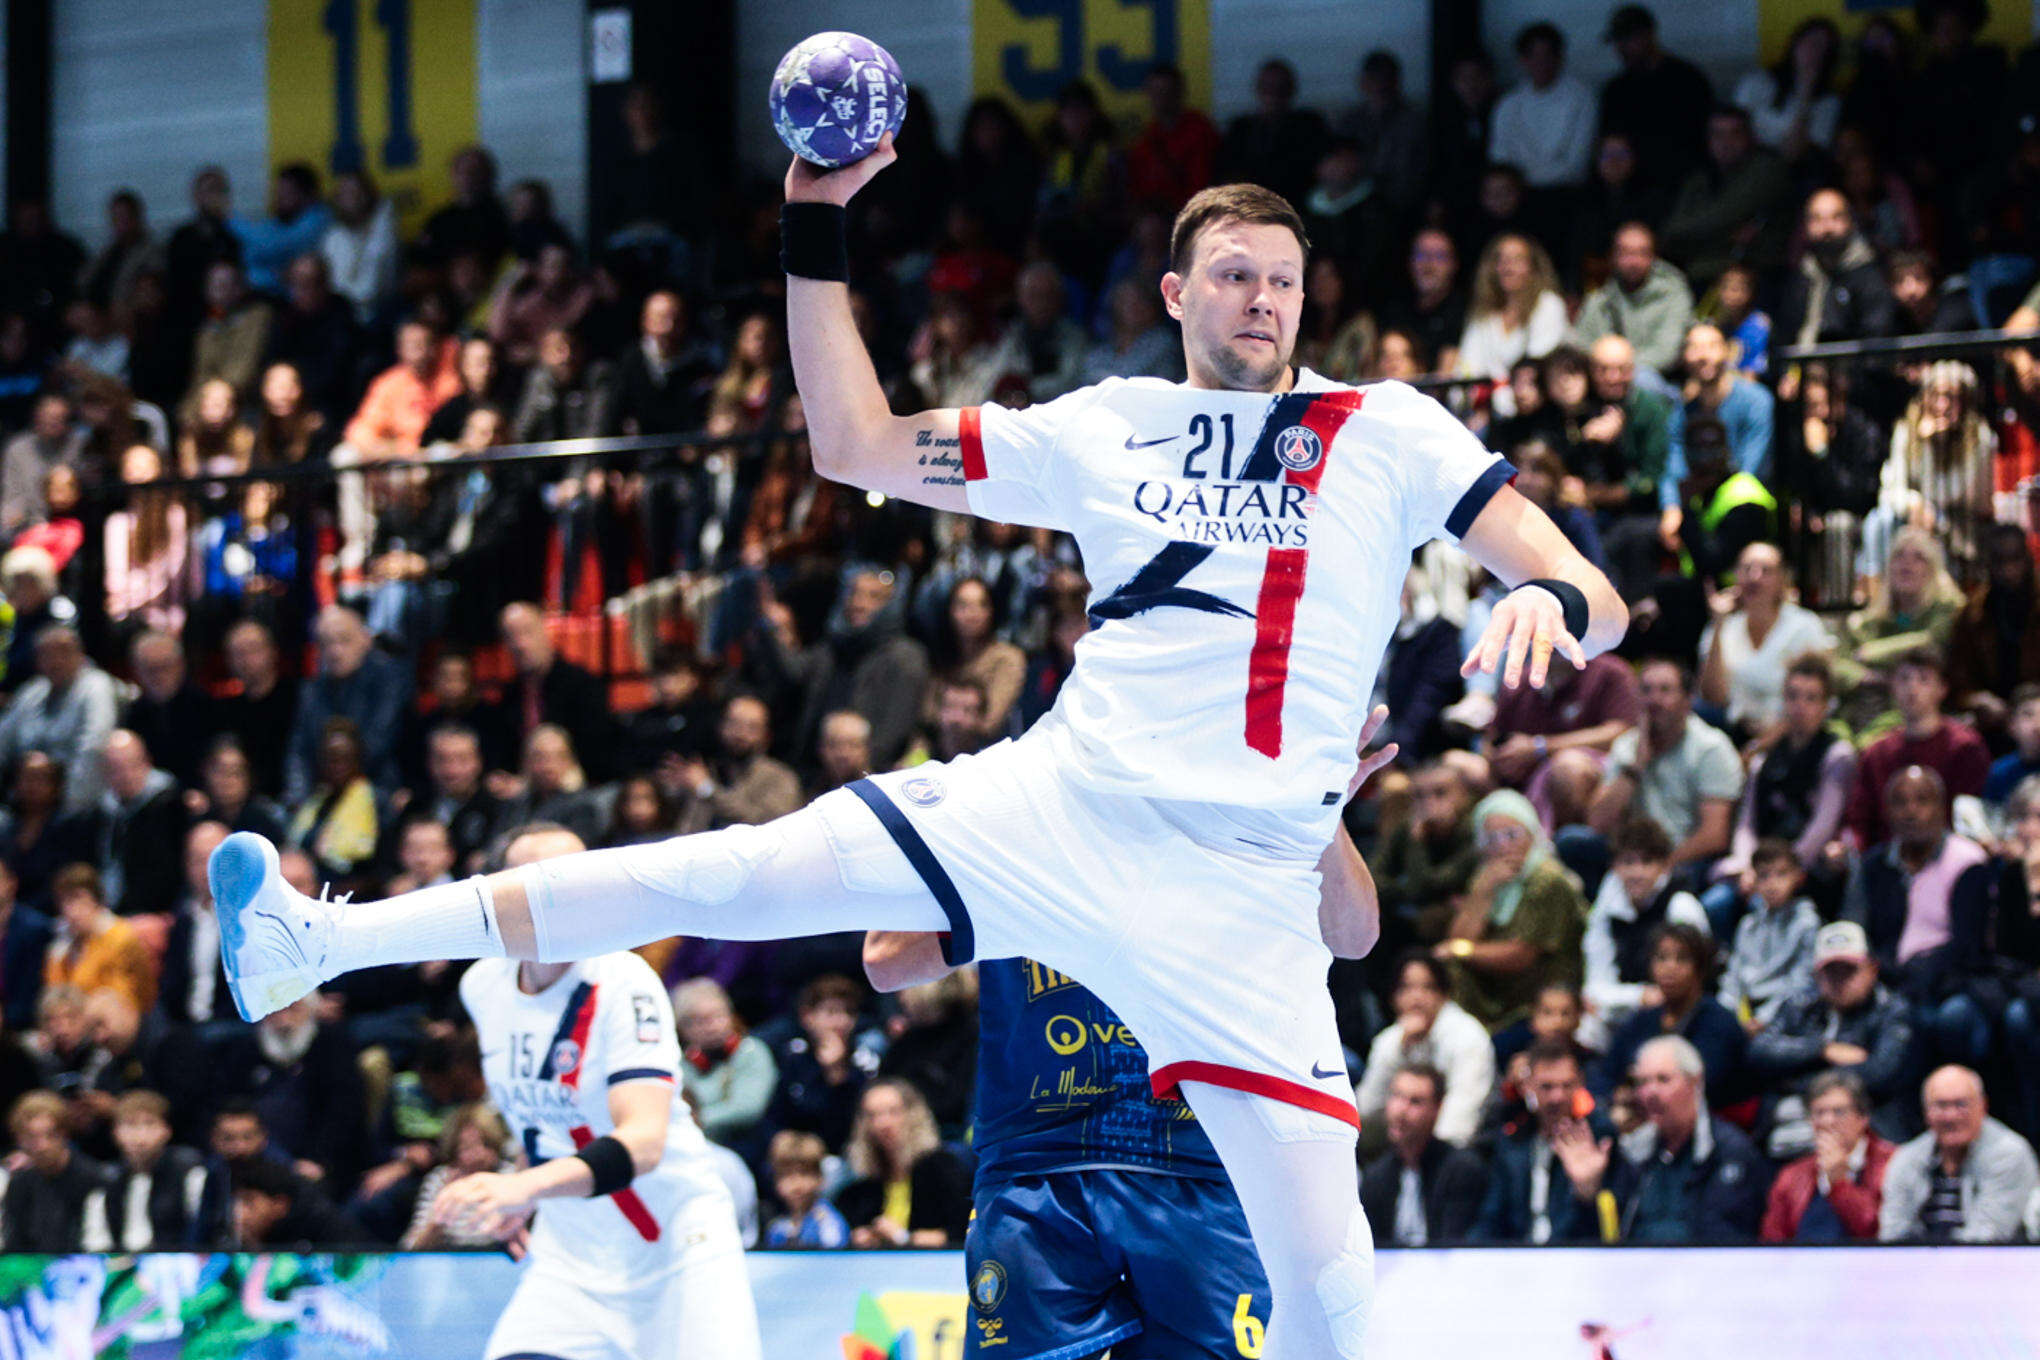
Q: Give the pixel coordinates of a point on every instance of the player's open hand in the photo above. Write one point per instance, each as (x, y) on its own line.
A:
(485, 1204)
(1371, 761)
(1528, 623)
(807, 182)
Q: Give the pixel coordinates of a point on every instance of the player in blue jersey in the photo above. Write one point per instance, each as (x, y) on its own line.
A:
(1160, 834)
(1102, 1215)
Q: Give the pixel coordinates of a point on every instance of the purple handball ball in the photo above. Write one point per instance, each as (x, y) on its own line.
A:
(834, 95)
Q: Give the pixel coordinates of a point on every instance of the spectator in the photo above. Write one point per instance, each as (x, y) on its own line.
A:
(276, 1209)
(1462, 118)
(1564, 730)
(1755, 633)
(1623, 455)
(1943, 466)
(910, 1191)
(354, 681)
(1434, 312)
(196, 244)
(2022, 762)
(1954, 101)
(1042, 345)
(1541, 478)
(1794, 106)
(49, 1198)
(1139, 342)
(1349, 217)
(1426, 860)
(60, 1046)
(1645, 301)
(1849, 1021)
(53, 439)
(1914, 604)
(29, 577)
(1176, 150)
(1277, 145)
(843, 755)
(552, 786)
(455, 795)
(1620, 191)
(663, 381)
(551, 690)
(1966, 1179)
(1685, 1175)
(232, 337)
(1724, 512)
(159, 1195)
(681, 713)
(932, 1044)
(1835, 1192)
(824, 1066)
(1659, 100)
(1672, 768)
(1732, 308)
(261, 713)
(339, 820)
(138, 829)
(95, 348)
(1516, 312)
(806, 1220)
(1430, 1032)
(66, 712)
(1517, 929)
(1636, 901)
(39, 837)
(93, 948)
(1715, 389)
(194, 984)
(226, 793)
(548, 294)
(1732, 210)
(1925, 737)
(456, 700)
(108, 280)
(360, 246)
(1423, 1190)
(1676, 1002)
(729, 1076)
(742, 785)
(168, 712)
(1526, 1199)
(1772, 956)
(24, 941)
(1922, 303)
(315, 332)
(863, 664)
(475, 1141)
(474, 222)
(391, 419)
(134, 1051)
(295, 226)
(1838, 291)
(147, 548)
(305, 1085)
(1996, 642)
(1544, 126)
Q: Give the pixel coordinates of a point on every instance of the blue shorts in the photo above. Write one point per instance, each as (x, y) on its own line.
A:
(1150, 1265)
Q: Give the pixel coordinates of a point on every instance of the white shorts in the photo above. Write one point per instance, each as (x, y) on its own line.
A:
(701, 1307)
(1206, 944)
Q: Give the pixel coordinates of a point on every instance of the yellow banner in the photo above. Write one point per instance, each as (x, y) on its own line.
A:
(386, 86)
(2011, 21)
(1027, 50)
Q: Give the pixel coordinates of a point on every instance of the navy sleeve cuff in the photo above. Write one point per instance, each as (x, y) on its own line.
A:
(1499, 474)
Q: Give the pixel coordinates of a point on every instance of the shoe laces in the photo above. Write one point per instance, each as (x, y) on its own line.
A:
(326, 898)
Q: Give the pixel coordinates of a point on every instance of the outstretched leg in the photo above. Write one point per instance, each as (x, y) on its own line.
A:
(1296, 1177)
(772, 882)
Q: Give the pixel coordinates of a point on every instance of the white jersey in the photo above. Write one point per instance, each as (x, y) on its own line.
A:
(1246, 553)
(550, 1059)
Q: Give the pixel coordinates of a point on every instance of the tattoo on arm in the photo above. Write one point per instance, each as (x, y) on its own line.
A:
(945, 464)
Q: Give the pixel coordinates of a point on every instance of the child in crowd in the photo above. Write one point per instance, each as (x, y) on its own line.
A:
(1773, 952)
(1634, 900)
(808, 1220)
(2015, 765)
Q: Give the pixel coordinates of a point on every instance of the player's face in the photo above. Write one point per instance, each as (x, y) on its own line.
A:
(1240, 304)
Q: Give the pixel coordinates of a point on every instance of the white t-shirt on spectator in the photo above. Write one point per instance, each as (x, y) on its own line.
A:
(1756, 674)
(1458, 1045)
(1548, 134)
(1757, 93)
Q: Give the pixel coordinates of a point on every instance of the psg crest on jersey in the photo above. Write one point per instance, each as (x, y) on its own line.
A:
(922, 792)
(1299, 449)
(566, 1056)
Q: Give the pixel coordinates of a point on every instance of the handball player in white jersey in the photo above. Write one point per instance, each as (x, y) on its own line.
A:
(583, 1062)
(1158, 835)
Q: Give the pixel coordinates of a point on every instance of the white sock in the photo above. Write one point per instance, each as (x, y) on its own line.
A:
(446, 921)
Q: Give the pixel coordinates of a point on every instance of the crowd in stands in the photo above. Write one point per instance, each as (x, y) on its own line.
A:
(1731, 934)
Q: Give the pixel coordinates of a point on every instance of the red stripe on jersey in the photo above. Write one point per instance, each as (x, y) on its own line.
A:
(970, 434)
(1282, 588)
(584, 1020)
(1166, 1079)
(626, 1199)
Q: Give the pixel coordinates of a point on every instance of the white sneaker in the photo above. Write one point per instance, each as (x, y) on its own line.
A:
(273, 939)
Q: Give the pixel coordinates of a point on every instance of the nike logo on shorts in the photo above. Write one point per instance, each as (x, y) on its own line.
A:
(1133, 443)
(1326, 1076)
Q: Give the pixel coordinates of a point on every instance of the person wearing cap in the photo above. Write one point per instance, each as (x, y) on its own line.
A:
(1966, 1179)
(1659, 100)
(1847, 1021)
(1832, 1194)
(1530, 1192)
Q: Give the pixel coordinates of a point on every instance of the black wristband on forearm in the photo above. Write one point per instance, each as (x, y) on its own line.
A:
(814, 241)
(610, 1162)
(1571, 599)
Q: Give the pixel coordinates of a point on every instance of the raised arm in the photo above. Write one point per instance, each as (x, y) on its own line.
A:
(1518, 543)
(852, 432)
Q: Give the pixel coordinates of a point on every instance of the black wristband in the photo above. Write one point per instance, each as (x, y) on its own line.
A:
(1571, 599)
(610, 1162)
(814, 242)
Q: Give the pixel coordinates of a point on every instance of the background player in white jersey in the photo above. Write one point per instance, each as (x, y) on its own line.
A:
(1157, 835)
(634, 1253)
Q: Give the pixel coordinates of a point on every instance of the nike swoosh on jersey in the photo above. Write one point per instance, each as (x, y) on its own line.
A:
(1325, 1076)
(1133, 443)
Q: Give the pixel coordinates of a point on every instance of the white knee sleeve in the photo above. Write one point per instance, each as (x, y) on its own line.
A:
(706, 869)
(604, 900)
(1345, 1288)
